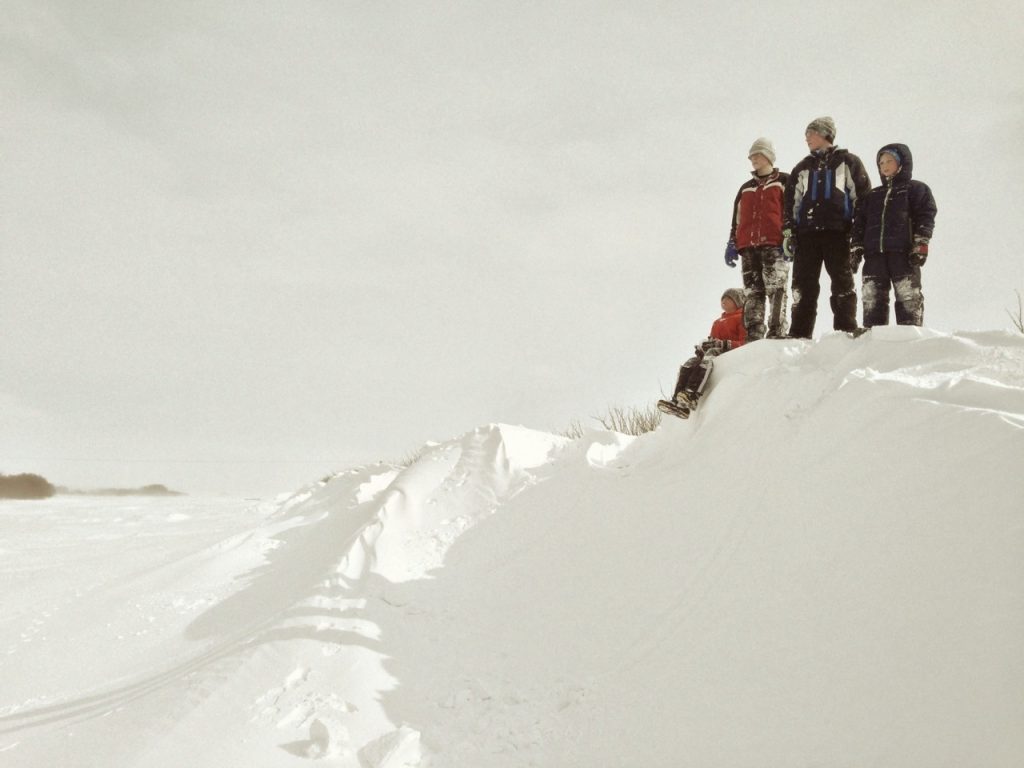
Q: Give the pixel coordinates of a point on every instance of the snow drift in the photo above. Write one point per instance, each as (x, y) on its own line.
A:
(821, 567)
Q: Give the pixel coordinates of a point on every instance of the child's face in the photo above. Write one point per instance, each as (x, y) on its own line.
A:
(728, 305)
(888, 166)
(761, 163)
(815, 141)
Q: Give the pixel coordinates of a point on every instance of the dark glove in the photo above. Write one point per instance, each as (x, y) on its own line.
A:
(718, 344)
(919, 253)
(856, 257)
(731, 254)
(788, 245)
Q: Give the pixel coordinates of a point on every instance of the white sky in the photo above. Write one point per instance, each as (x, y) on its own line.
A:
(247, 244)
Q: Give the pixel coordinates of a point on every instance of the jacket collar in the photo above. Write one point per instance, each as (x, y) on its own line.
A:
(767, 177)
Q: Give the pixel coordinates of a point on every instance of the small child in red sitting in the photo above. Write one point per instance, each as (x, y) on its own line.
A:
(727, 332)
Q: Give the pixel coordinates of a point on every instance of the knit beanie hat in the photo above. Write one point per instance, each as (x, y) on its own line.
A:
(738, 295)
(823, 126)
(764, 147)
(891, 151)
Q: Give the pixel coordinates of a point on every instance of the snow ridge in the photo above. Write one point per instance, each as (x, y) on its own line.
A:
(821, 566)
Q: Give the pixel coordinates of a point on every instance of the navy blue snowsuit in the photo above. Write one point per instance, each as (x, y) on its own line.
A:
(892, 216)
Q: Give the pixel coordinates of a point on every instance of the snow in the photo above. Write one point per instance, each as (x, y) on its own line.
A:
(821, 567)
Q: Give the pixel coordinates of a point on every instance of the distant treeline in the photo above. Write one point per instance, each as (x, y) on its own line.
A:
(146, 490)
(25, 487)
(29, 486)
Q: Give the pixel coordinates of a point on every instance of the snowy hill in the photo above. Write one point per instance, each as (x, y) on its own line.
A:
(822, 567)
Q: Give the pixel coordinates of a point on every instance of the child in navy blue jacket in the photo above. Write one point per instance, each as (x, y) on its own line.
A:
(891, 234)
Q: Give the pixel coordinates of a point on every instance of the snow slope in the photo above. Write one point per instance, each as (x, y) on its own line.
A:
(821, 567)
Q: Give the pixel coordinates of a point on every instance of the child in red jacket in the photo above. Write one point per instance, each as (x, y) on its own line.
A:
(727, 332)
(756, 240)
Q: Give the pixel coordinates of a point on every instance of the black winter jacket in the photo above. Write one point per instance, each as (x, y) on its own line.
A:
(896, 212)
(824, 190)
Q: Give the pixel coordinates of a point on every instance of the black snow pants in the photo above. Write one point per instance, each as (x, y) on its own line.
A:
(694, 374)
(814, 249)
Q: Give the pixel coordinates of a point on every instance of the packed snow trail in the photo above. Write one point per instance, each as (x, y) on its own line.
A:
(821, 566)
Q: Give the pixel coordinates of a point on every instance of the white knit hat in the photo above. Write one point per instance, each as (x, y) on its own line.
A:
(764, 147)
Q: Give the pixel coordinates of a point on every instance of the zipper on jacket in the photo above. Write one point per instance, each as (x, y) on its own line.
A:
(885, 206)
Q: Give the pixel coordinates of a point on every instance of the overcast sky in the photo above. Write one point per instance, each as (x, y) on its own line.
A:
(247, 244)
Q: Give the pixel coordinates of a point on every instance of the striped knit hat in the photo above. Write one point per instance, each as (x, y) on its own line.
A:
(823, 126)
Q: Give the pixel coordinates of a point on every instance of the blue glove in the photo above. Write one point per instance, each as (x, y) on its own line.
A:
(731, 254)
(788, 245)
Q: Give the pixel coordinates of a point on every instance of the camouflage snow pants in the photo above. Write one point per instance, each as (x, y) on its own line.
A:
(765, 278)
(892, 269)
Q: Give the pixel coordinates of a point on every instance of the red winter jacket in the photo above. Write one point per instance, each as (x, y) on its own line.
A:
(729, 327)
(757, 212)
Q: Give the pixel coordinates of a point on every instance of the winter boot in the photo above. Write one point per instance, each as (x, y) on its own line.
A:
(688, 398)
(674, 408)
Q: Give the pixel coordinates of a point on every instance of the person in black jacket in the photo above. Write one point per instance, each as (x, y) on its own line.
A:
(891, 234)
(821, 198)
